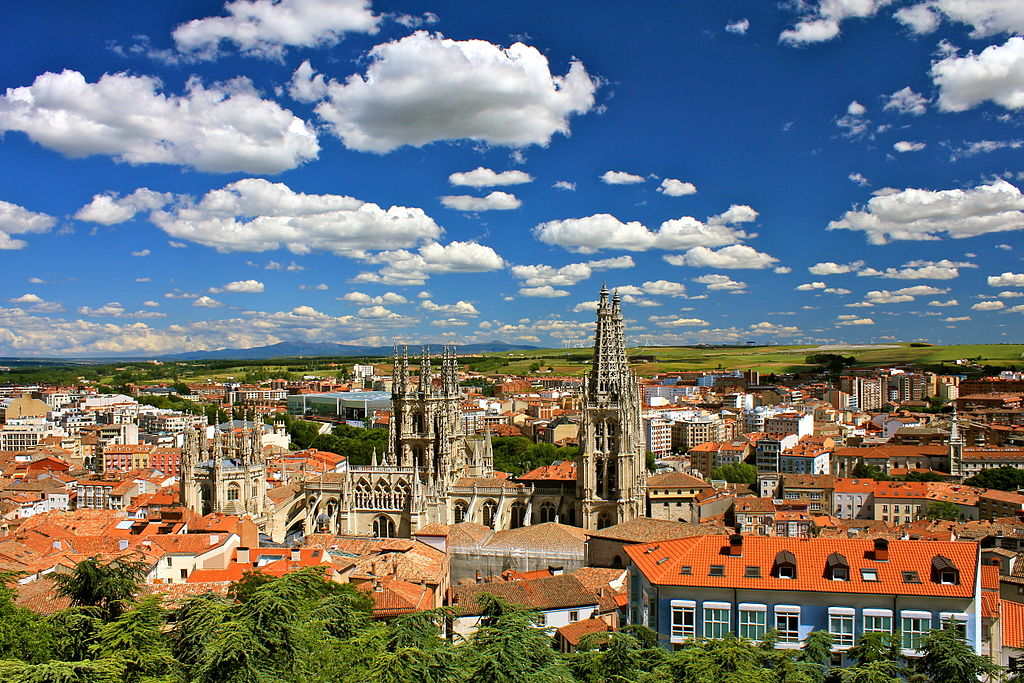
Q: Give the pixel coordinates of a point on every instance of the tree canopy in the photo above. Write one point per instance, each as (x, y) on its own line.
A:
(1002, 478)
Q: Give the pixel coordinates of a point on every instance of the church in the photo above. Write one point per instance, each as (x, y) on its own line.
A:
(433, 473)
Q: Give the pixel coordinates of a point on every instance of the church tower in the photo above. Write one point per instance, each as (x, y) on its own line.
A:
(956, 447)
(611, 462)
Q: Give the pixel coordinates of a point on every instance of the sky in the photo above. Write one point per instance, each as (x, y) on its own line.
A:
(199, 175)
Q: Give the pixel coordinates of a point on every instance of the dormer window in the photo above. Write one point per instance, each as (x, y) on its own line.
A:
(716, 570)
(837, 568)
(785, 565)
(944, 571)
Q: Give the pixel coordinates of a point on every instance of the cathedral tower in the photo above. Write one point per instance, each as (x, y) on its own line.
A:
(611, 462)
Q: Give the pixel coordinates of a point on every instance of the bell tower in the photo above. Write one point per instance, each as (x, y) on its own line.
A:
(610, 467)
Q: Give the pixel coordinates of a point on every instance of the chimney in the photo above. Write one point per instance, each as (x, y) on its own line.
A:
(736, 545)
(296, 554)
(555, 571)
(881, 550)
(242, 555)
(122, 544)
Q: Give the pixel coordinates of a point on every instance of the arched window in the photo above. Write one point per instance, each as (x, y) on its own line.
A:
(547, 512)
(383, 527)
(517, 515)
(603, 520)
(459, 511)
(417, 422)
(490, 507)
(234, 491)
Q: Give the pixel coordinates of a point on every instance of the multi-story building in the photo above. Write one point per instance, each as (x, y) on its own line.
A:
(711, 586)
(868, 392)
(692, 429)
(657, 434)
(801, 424)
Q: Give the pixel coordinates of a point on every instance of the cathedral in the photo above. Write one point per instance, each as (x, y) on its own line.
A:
(434, 473)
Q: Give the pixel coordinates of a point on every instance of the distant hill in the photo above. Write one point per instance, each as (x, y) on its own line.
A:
(289, 349)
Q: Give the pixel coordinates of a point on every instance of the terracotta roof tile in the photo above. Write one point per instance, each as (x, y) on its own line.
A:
(1013, 624)
(645, 530)
(546, 593)
(576, 631)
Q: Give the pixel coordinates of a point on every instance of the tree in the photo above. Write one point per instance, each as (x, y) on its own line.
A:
(736, 473)
(721, 660)
(1002, 478)
(866, 471)
(947, 658)
(942, 509)
(136, 641)
(23, 634)
(107, 588)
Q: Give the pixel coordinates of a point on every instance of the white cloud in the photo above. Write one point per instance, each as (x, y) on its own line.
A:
(985, 17)
(222, 128)
(495, 201)
(542, 291)
(773, 328)
(988, 306)
(17, 220)
(265, 28)
(683, 322)
(385, 298)
(820, 21)
(1006, 280)
(811, 286)
(376, 312)
(206, 302)
(970, 149)
(458, 308)
(110, 209)
(485, 177)
(782, 270)
(919, 18)
(292, 266)
(921, 270)
(838, 291)
(736, 256)
(855, 108)
(914, 214)
(859, 179)
(739, 27)
(240, 287)
(141, 252)
(254, 214)
(857, 321)
(716, 282)
(37, 303)
(832, 268)
(402, 267)
(564, 185)
(903, 295)
(604, 231)
(423, 88)
(676, 188)
(996, 74)
(176, 245)
(944, 304)
(621, 178)
(664, 288)
(906, 101)
(908, 146)
(956, 319)
(1008, 294)
(307, 85)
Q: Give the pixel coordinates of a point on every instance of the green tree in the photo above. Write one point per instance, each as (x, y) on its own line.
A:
(721, 660)
(942, 509)
(137, 643)
(1002, 478)
(947, 658)
(865, 471)
(736, 473)
(23, 634)
(106, 588)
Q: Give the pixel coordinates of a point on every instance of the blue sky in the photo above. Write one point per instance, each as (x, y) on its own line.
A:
(196, 175)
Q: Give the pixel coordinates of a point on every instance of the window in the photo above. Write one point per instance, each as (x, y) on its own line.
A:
(574, 615)
(840, 574)
(787, 623)
(911, 577)
(787, 572)
(915, 626)
(686, 570)
(542, 619)
(753, 622)
(877, 621)
(716, 619)
(716, 570)
(183, 573)
(683, 619)
(869, 574)
(840, 625)
(233, 492)
(956, 620)
(752, 572)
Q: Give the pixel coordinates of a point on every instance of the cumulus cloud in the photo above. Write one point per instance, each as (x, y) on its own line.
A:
(970, 149)
(424, 88)
(1006, 280)
(206, 302)
(832, 268)
(222, 128)
(111, 209)
(34, 302)
(306, 85)
(540, 274)
(254, 214)
(141, 252)
(884, 296)
(664, 288)
(240, 287)
(458, 308)
(564, 185)
(859, 179)
(773, 328)
(736, 256)
(739, 27)
(857, 321)
(811, 286)
(621, 178)
(604, 231)
(114, 309)
(543, 291)
(485, 177)
(495, 201)
(944, 304)
(919, 18)
(914, 214)
(676, 188)
(403, 267)
(921, 270)
(996, 74)
(385, 298)
(265, 28)
(376, 312)
(682, 322)
(988, 306)
(717, 282)
(17, 220)
(906, 101)
(956, 319)
(908, 146)
(985, 17)
(821, 21)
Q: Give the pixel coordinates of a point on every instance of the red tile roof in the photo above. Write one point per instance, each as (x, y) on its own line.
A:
(661, 563)
(1013, 624)
(576, 631)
